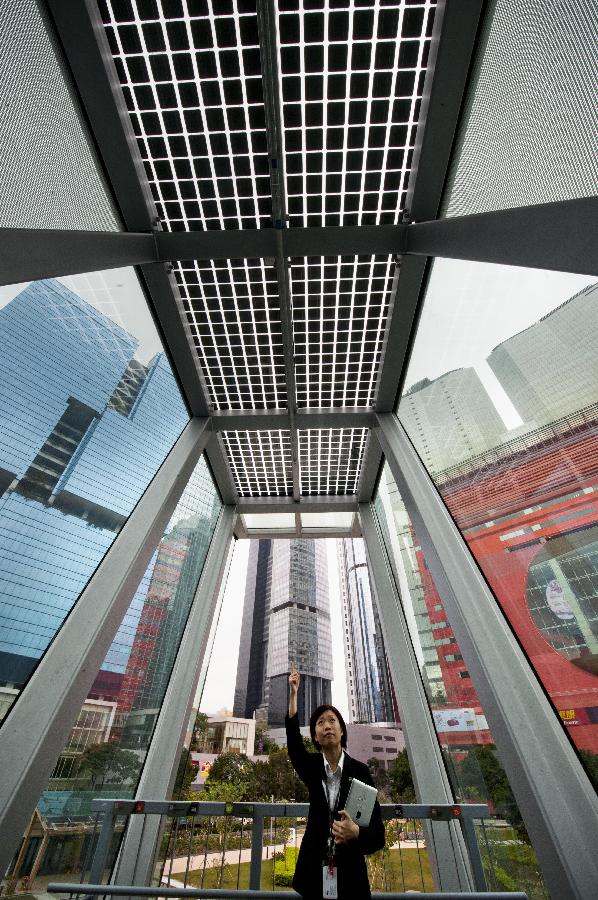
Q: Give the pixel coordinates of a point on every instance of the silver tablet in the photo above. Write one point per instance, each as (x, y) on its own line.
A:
(360, 802)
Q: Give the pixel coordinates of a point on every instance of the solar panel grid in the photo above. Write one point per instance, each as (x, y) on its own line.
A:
(340, 307)
(260, 462)
(191, 75)
(233, 313)
(352, 77)
(330, 459)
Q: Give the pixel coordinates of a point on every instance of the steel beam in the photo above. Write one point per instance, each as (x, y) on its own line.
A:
(560, 236)
(80, 29)
(137, 855)
(163, 298)
(220, 469)
(325, 240)
(275, 420)
(29, 254)
(425, 757)
(82, 35)
(454, 40)
(267, 30)
(303, 505)
(557, 801)
(38, 725)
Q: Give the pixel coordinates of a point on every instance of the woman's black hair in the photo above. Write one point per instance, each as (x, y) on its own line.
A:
(316, 715)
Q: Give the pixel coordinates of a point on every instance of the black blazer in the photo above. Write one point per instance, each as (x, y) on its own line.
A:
(353, 881)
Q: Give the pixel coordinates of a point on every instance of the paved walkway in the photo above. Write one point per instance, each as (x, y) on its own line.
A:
(233, 857)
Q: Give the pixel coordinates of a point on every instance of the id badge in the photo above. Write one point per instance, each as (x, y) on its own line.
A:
(329, 883)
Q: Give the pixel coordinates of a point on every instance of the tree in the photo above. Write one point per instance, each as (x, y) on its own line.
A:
(263, 743)
(402, 789)
(107, 762)
(277, 778)
(482, 773)
(307, 743)
(590, 761)
(199, 731)
(231, 768)
(185, 776)
(380, 778)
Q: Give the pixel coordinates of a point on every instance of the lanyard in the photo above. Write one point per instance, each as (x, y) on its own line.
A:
(331, 815)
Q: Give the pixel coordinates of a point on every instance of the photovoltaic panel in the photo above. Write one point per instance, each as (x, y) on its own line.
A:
(233, 315)
(192, 80)
(352, 74)
(340, 307)
(330, 459)
(260, 462)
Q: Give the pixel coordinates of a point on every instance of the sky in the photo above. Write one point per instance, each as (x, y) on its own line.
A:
(219, 688)
(472, 307)
(115, 293)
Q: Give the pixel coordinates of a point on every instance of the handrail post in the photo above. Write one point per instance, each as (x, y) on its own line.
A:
(257, 843)
(473, 850)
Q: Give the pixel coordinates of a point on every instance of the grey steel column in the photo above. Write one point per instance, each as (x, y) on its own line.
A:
(37, 727)
(138, 852)
(556, 799)
(425, 758)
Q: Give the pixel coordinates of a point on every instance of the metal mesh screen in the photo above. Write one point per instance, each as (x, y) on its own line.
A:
(529, 129)
(49, 177)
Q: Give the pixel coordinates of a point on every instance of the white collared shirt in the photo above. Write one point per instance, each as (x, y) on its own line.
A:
(333, 780)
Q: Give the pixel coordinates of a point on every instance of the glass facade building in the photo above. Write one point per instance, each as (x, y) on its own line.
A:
(80, 440)
(286, 618)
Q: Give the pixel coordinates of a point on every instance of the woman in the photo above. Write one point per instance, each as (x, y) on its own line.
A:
(333, 846)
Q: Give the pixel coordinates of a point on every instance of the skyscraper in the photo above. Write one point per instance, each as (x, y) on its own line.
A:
(66, 483)
(369, 687)
(450, 419)
(550, 370)
(286, 618)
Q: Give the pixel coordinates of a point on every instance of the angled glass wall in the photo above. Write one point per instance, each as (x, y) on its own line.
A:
(473, 765)
(501, 405)
(89, 409)
(108, 743)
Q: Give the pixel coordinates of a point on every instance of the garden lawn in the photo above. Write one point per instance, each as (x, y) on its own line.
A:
(407, 877)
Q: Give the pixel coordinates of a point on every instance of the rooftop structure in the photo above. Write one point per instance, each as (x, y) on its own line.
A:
(266, 195)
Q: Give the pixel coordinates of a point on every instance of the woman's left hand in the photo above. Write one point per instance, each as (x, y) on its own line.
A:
(344, 830)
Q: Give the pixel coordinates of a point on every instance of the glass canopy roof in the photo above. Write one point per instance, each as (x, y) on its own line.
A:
(300, 109)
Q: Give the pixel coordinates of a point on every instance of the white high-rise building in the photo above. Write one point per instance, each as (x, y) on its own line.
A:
(450, 419)
(550, 370)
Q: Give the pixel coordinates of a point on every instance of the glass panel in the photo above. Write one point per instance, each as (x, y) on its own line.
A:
(269, 520)
(107, 746)
(528, 128)
(49, 177)
(89, 408)
(327, 520)
(502, 406)
(473, 765)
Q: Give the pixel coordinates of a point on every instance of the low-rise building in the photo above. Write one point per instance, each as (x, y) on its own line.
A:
(381, 741)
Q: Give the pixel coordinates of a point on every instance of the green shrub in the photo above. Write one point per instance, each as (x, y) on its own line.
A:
(284, 867)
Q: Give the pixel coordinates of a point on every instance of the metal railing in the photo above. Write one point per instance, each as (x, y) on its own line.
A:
(208, 837)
